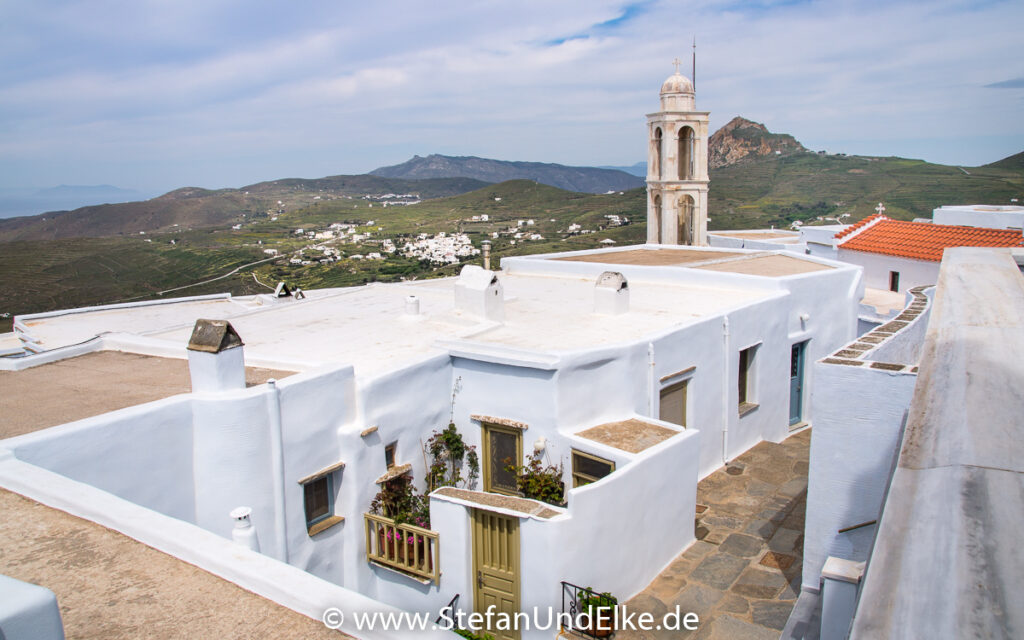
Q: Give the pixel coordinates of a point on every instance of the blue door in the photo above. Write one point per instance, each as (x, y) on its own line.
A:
(796, 383)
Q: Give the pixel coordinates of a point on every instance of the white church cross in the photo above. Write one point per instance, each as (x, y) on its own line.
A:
(677, 62)
(880, 208)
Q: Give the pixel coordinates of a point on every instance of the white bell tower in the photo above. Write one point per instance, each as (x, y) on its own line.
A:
(677, 167)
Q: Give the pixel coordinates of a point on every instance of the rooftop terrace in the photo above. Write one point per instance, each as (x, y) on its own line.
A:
(110, 586)
(545, 312)
(631, 435)
(763, 263)
(92, 384)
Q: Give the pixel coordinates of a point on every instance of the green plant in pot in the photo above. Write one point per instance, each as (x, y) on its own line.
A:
(446, 454)
(538, 481)
(600, 611)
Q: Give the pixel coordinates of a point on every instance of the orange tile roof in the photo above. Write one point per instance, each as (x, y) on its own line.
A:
(859, 225)
(920, 240)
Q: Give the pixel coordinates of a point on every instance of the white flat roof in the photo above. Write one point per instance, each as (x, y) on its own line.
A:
(366, 326)
(545, 312)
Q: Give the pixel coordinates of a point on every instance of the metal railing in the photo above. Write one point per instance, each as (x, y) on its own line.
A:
(590, 614)
(448, 612)
(404, 547)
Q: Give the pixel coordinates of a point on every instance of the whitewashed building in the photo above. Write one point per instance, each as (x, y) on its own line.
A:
(981, 215)
(898, 256)
(640, 370)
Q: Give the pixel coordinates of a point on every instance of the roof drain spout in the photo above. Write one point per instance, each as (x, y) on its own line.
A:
(650, 380)
(277, 471)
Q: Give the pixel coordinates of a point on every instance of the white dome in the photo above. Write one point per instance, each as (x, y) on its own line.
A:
(677, 83)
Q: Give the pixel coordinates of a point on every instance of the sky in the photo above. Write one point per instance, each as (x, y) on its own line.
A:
(157, 94)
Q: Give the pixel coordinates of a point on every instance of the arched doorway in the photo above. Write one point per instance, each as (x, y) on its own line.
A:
(685, 233)
(655, 221)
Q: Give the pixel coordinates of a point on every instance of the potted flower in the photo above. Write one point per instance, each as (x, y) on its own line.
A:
(600, 612)
(398, 500)
(538, 481)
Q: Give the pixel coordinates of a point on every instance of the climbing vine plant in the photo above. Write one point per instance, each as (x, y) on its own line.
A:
(447, 455)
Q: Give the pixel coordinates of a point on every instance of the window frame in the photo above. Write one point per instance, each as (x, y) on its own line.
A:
(683, 384)
(576, 475)
(746, 379)
(306, 486)
(487, 472)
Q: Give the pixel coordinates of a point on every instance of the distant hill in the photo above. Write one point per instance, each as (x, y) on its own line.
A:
(638, 169)
(1016, 161)
(778, 189)
(580, 179)
(24, 202)
(193, 207)
(741, 139)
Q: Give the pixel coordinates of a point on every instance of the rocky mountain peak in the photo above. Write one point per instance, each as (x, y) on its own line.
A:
(740, 139)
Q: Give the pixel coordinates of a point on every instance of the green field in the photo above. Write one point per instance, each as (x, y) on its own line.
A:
(778, 190)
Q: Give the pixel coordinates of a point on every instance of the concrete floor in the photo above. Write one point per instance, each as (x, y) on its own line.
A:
(109, 586)
(742, 576)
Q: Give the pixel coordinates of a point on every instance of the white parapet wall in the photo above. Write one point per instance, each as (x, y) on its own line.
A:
(857, 435)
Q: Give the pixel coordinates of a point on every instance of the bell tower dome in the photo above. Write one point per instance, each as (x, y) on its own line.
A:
(677, 166)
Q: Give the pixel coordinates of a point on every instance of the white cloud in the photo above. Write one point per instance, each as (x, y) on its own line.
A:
(161, 93)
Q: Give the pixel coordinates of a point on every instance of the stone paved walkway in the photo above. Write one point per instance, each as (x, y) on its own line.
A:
(742, 576)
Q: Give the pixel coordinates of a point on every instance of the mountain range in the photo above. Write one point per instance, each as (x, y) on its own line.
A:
(580, 179)
(757, 178)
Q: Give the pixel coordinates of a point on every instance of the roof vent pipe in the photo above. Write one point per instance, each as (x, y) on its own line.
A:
(611, 294)
(244, 532)
(412, 306)
(485, 248)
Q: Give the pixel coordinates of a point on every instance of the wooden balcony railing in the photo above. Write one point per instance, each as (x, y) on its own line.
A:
(404, 547)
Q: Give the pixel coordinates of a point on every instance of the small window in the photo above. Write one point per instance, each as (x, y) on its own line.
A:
(745, 379)
(319, 499)
(503, 453)
(389, 454)
(587, 468)
(894, 281)
(672, 407)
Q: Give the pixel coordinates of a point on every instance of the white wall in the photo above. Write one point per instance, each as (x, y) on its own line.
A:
(142, 454)
(855, 440)
(406, 407)
(986, 216)
(905, 346)
(723, 241)
(913, 273)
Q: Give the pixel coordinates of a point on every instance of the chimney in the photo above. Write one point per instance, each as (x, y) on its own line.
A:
(215, 358)
(244, 532)
(478, 292)
(485, 247)
(611, 294)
